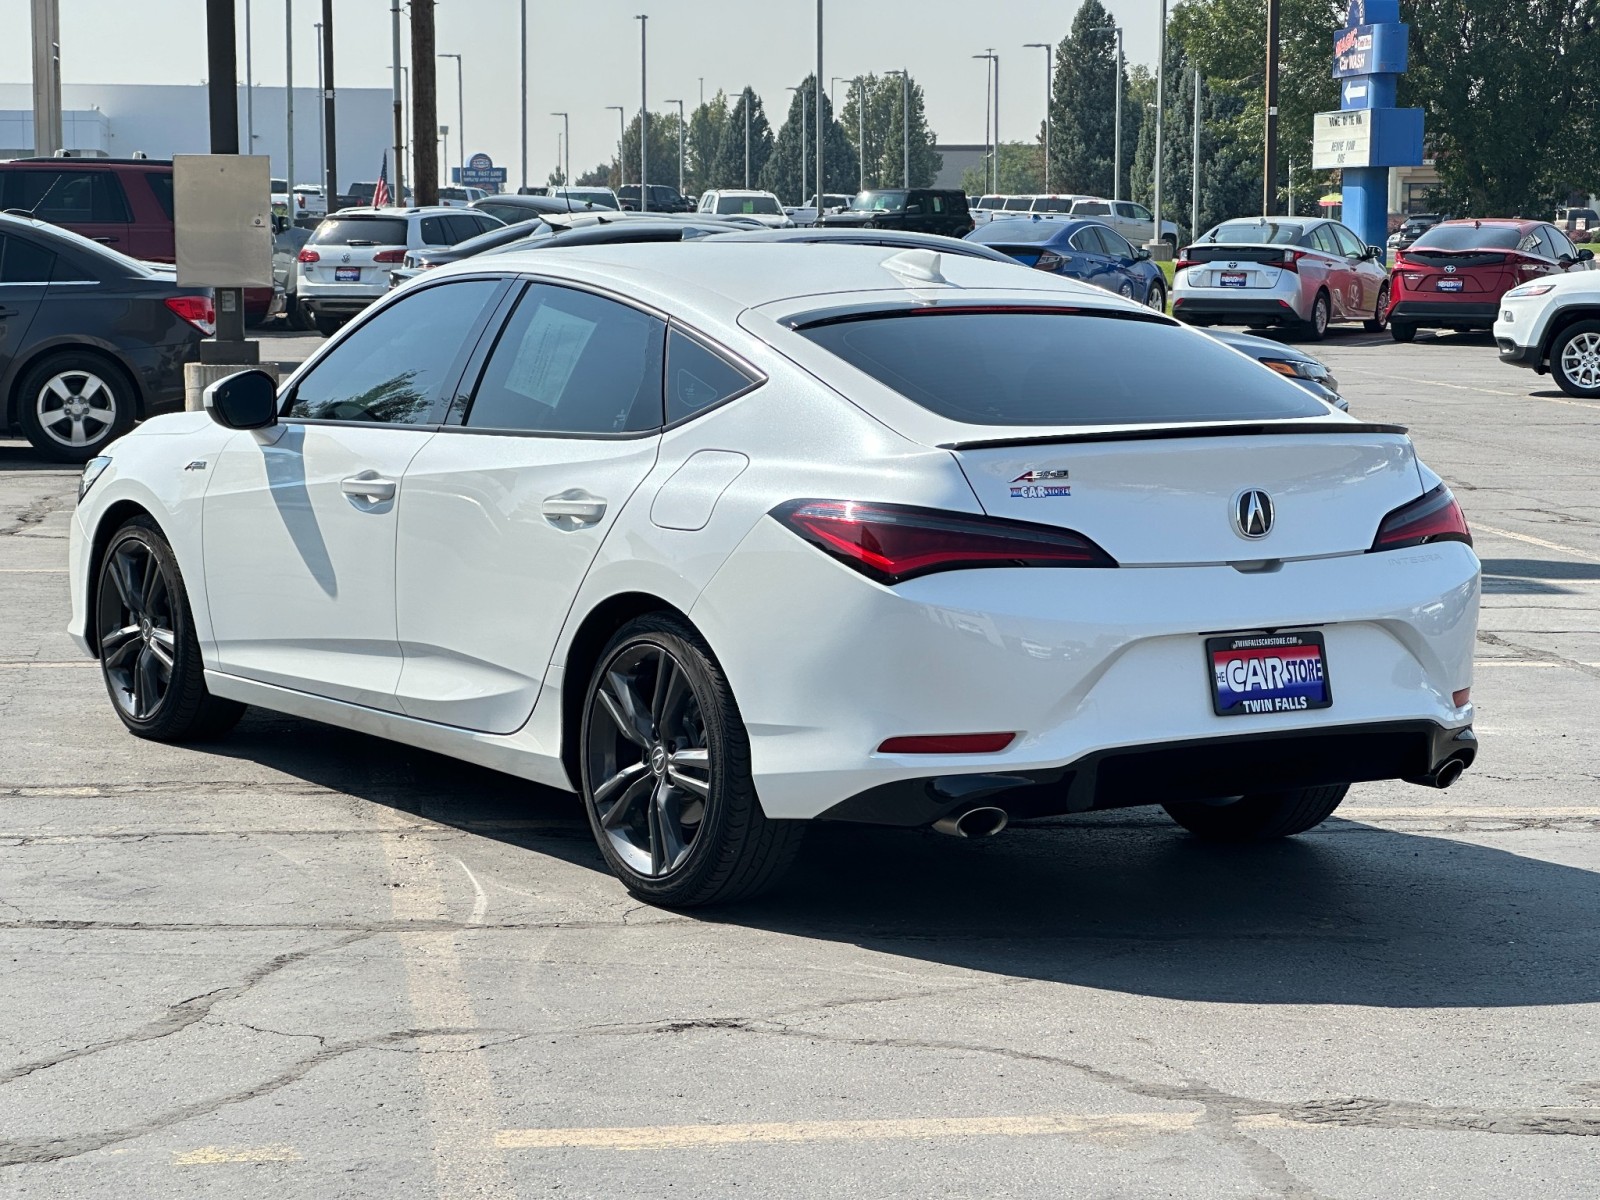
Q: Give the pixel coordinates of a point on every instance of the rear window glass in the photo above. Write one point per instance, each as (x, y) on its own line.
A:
(1468, 237)
(346, 231)
(765, 205)
(1275, 233)
(1091, 208)
(1018, 204)
(1063, 369)
(1015, 232)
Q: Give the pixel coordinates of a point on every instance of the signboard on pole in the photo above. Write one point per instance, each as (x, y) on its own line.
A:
(480, 172)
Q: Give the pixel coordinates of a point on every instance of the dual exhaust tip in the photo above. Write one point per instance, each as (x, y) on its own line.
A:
(980, 822)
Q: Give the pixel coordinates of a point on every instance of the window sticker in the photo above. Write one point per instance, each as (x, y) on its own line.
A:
(551, 347)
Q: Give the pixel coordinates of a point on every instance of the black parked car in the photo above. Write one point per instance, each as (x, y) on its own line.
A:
(663, 199)
(90, 340)
(512, 209)
(921, 210)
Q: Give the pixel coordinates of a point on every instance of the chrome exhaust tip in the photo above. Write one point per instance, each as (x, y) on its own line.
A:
(973, 823)
(1444, 774)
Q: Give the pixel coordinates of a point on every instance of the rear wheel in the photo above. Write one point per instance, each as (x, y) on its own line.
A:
(1316, 327)
(73, 405)
(1401, 331)
(1260, 817)
(149, 655)
(1575, 360)
(1380, 315)
(297, 317)
(666, 773)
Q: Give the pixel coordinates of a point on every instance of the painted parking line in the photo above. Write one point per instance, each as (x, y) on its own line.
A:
(1475, 812)
(1535, 541)
(216, 1156)
(686, 1137)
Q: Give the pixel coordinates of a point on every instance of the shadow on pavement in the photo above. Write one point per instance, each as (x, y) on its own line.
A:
(1348, 915)
(1525, 576)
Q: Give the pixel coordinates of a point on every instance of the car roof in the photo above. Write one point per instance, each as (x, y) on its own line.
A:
(1513, 222)
(901, 239)
(164, 164)
(396, 211)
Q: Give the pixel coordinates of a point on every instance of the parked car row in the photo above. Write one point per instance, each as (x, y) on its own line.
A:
(1133, 221)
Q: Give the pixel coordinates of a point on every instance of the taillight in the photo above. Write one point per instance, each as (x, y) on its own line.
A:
(1048, 261)
(1182, 263)
(308, 255)
(894, 542)
(1435, 517)
(389, 256)
(199, 311)
(1291, 260)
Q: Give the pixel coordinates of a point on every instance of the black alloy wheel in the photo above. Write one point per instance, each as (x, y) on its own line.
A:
(149, 655)
(666, 773)
(1260, 817)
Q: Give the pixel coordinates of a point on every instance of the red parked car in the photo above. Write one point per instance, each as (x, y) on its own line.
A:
(1452, 277)
(123, 203)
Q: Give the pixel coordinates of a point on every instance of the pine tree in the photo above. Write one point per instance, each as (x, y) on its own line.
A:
(729, 168)
(706, 126)
(1083, 106)
(783, 174)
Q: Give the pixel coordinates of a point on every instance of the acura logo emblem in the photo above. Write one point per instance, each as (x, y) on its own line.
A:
(1252, 514)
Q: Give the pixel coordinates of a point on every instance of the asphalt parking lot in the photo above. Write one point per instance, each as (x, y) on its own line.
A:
(301, 962)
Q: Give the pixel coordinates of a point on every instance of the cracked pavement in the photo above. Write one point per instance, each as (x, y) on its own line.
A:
(300, 962)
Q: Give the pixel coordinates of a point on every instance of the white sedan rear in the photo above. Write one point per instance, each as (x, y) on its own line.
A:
(729, 538)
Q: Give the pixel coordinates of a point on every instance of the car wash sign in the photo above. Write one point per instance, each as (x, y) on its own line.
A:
(1371, 49)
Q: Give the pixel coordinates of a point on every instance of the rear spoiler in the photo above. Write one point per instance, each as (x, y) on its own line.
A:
(1254, 429)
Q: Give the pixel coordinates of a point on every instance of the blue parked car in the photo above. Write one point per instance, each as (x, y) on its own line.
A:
(1086, 250)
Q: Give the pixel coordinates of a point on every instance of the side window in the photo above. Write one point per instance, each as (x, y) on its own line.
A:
(1563, 246)
(1140, 213)
(697, 377)
(1322, 238)
(571, 362)
(161, 185)
(24, 262)
(915, 202)
(1349, 243)
(394, 368)
(1087, 240)
(435, 232)
(1116, 245)
(936, 203)
(1532, 244)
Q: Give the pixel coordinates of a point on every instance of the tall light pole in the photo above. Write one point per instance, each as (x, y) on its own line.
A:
(905, 123)
(461, 116)
(249, 87)
(679, 103)
(566, 133)
(288, 96)
(644, 118)
(522, 100)
(997, 142)
(1194, 164)
(622, 134)
(860, 82)
(1161, 99)
(991, 145)
(801, 92)
(322, 129)
(745, 100)
(1049, 72)
(821, 128)
(399, 177)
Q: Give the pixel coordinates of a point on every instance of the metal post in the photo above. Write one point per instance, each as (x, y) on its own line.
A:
(223, 95)
(1161, 99)
(991, 143)
(1049, 73)
(523, 99)
(745, 100)
(622, 135)
(47, 137)
(861, 132)
(322, 128)
(399, 191)
(405, 84)
(424, 104)
(1291, 187)
(997, 142)
(249, 87)
(566, 131)
(1116, 129)
(461, 117)
(288, 90)
(1194, 166)
(821, 126)
(1269, 173)
(644, 118)
(329, 129)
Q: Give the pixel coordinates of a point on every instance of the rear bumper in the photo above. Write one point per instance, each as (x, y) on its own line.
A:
(1234, 310)
(1466, 314)
(315, 303)
(1173, 772)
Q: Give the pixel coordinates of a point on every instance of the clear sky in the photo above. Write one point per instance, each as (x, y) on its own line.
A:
(584, 55)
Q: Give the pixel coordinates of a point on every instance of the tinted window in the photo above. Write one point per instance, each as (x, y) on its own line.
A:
(24, 262)
(1056, 205)
(1140, 213)
(1322, 239)
(68, 197)
(1469, 237)
(1087, 239)
(1018, 203)
(1116, 245)
(393, 369)
(1276, 233)
(890, 201)
(1349, 243)
(1060, 369)
(436, 233)
(347, 231)
(571, 362)
(161, 185)
(1563, 247)
(1091, 208)
(1016, 232)
(697, 378)
(764, 205)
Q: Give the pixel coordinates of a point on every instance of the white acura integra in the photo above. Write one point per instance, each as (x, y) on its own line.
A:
(728, 538)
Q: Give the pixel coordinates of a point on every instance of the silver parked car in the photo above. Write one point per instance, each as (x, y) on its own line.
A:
(1298, 271)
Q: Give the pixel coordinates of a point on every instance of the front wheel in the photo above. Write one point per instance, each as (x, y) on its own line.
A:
(73, 405)
(1260, 817)
(1380, 315)
(666, 773)
(1575, 360)
(1157, 298)
(149, 654)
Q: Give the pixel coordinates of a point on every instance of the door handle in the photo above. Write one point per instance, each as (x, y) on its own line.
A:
(573, 509)
(369, 486)
(106, 241)
(7, 312)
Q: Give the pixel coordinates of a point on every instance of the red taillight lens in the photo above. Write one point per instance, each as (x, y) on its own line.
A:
(893, 542)
(1181, 263)
(389, 256)
(950, 743)
(1048, 261)
(1291, 260)
(199, 311)
(308, 255)
(1435, 517)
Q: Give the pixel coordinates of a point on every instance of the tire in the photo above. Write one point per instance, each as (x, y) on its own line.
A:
(1157, 298)
(1316, 328)
(149, 656)
(73, 405)
(298, 317)
(1260, 817)
(682, 754)
(1402, 332)
(1575, 360)
(1380, 315)
(327, 326)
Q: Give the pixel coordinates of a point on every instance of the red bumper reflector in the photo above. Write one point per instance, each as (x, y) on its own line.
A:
(949, 743)
(1459, 699)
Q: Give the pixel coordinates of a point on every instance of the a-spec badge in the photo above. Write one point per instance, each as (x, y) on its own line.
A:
(198, 464)
(1040, 485)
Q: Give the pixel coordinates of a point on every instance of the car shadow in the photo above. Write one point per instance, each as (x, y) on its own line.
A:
(1349, 914)
(1534, 576)
(20, 456)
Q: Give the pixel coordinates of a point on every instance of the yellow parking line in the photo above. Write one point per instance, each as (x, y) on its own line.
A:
(212, 1156)
(684, 1137)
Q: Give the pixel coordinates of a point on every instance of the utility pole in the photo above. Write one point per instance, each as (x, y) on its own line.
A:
(1048, 76)
(522, 102)
(249, 87)
(424, 104)
(399, 190)
(746, 101)
(861, 130)
(461, 115)
(222, 71)
(288, 95)
(991, 147)
(679, 103)
(1269, 174)
(566, 133)
(46, 77)
(1161, 98)
(1194, 164)
(1116, 128)
(322, 129)
(622, 136)
(821, 126)
(329, 130)
(644, 116)
(997, 142)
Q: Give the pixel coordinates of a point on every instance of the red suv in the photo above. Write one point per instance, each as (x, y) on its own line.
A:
(123, 203)
(1452, 277)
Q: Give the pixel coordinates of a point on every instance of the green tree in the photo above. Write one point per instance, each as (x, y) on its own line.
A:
(706, 127)
(729, 168)
(663, 149)
(1021, 171)
(596, 176)
(875, 116)
(782, 173)
(1083, 107)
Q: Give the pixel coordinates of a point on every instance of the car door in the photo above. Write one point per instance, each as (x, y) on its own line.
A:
(505, 511)
(1366, 275)
(1123, 263)
(1134, 222)
(1089, 262)
(1339, 274)
(24, 276)
(299, 520)
(90, 203)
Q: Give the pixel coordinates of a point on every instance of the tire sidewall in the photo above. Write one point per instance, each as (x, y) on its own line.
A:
(41, 373)
(1558, 348)
(185, 655)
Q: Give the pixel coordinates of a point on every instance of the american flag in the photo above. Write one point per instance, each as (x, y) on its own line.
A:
(380, 194)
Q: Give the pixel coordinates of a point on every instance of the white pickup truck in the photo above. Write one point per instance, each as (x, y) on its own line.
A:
(806, 214)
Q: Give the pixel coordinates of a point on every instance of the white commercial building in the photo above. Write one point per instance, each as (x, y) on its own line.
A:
(119, 120)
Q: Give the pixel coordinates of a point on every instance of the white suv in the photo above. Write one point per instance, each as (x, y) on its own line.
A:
(345, 265)
(1553, 324)
(760, 207)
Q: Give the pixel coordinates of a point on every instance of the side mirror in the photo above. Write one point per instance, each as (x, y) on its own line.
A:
(1140, 253)
(1585, 255)
(248, 400)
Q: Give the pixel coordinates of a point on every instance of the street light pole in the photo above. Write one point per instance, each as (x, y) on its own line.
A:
(644, 118)
(905, 123)
(997, 142)
(461, 116)
(1161, 99)
(322, 129)
(679, 103)
(1194, 165)
(991, 148)
(622, 134)
(566, 132)
(288, 95)
(1048, 73)
(1116, 128)
(821, 128)
(249, 87)
(523, 98)
(745, 100)
(861, 131)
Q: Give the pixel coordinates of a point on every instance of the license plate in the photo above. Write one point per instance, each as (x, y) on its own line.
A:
(347, 274)
(1232, 278)
(1260, 673)
(1449, 285)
